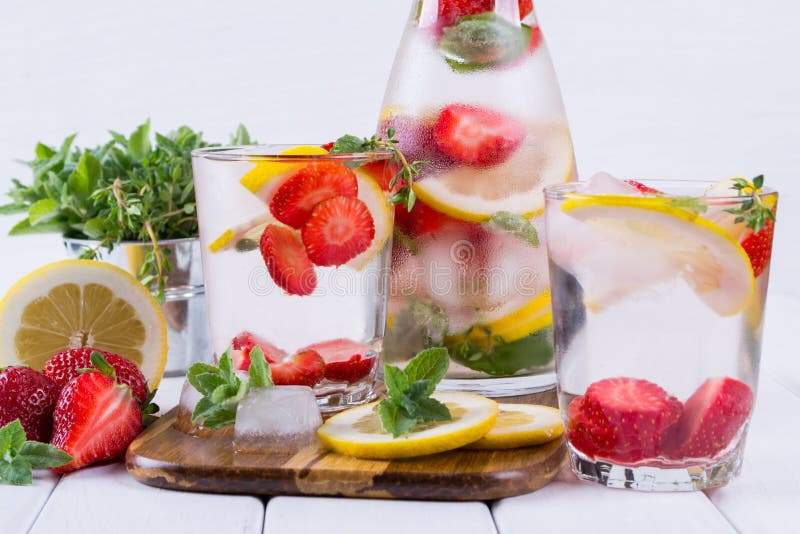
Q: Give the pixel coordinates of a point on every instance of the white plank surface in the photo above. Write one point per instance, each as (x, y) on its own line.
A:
(20, 505)
(568, 505)
(303, 515)
(105, 499)
(766, 497)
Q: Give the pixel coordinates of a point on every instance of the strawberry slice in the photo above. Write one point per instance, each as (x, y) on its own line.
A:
(63, 367)
(296, 198)
(625, 419)
(338, 230)
(711, 418)
(328, 146)
(646, 189)
(346, 360)
(477, 136)
(759, 247)
(287, 261)
(242, 344)
(306, 368)
(95, 419)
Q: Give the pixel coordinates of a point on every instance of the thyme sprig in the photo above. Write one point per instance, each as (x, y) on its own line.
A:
(753, 210)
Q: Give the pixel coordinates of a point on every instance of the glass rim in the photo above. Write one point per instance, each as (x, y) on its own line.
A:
(562, 190)
(271, 152)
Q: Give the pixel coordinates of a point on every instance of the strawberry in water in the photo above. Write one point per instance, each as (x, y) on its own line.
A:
(297, 197)
(29, 396)
(242, 344)
(758, 246)
(477, 136)
(345, 360)
(96, 418)
(711, 418)
(63, 367)
(338, 230)
(626, 419)
(645, 189)
(306, 368)
(452, 10)
(287, 261)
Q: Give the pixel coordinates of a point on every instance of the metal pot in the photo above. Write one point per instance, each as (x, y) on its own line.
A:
(185, 303)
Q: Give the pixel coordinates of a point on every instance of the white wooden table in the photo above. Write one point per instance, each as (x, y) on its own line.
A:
(105, 499)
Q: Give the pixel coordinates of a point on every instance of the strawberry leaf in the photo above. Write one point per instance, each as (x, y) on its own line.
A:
(102, 365)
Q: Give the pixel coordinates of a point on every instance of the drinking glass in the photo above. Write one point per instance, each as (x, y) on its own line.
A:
(295, 247)
(658, 292)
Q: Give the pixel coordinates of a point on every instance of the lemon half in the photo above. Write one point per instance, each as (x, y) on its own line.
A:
(522, 425)
(358, 431)
(82, 303)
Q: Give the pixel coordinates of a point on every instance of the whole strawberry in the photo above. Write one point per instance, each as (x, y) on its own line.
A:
(29, 396)
(96, 418)
(63, 367)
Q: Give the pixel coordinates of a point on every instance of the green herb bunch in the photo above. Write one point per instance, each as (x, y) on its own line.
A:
(128, 189)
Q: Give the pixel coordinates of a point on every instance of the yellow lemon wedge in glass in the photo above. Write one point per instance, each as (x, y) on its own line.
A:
(82, 303)
(473, 194)
(688, 245)
(521, 425)
(358, 431)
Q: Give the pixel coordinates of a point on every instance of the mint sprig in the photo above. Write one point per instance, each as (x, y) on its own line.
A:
(222, 389)
(516, 225)
(753, 211)
(408, 404)
(18, 456)
(350, 144)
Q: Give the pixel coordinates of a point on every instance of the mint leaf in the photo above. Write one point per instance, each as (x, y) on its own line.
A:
(408, 393)
(516, 225)
(42, 211)
(395, 379)
(260, 375)
(695, 205)
(432, 410)
(350, 144)
(431, 365)
(43, 455)
(222, 389)
(17, 471)
(483, 40)
(12, 438)
(220, 418)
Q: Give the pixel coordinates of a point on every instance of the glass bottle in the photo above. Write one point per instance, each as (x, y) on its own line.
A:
(473, 93)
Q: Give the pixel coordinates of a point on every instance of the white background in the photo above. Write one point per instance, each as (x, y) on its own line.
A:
(677, 89)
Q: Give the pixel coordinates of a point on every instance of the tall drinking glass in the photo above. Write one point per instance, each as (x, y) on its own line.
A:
(658, 299)
(295, 245)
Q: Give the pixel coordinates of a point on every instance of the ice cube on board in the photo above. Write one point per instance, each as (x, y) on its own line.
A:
(276, 419)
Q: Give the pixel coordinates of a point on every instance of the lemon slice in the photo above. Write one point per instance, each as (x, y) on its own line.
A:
(378, 204)
(82, 303)
(251, 229)
(713, 263)
(521, 425)
(530, 317)
(358, 432)
(261, 179)
(475, 193)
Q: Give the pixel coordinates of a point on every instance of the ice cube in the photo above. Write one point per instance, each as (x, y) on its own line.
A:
(277, 419)
(602, 183)
(189, 399)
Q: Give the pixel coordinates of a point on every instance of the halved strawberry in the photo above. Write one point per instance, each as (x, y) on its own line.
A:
(338, 230)
(477, 136)
(627, 419)
(287, 261)
(242, 344)
(63, 367)
(296, 198)
(646, 189)
(711, 418)
(346, 360)
(759, 246)
(95, 419)
(306, 368)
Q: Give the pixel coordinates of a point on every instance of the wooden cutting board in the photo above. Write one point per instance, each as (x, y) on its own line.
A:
(165, 457)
